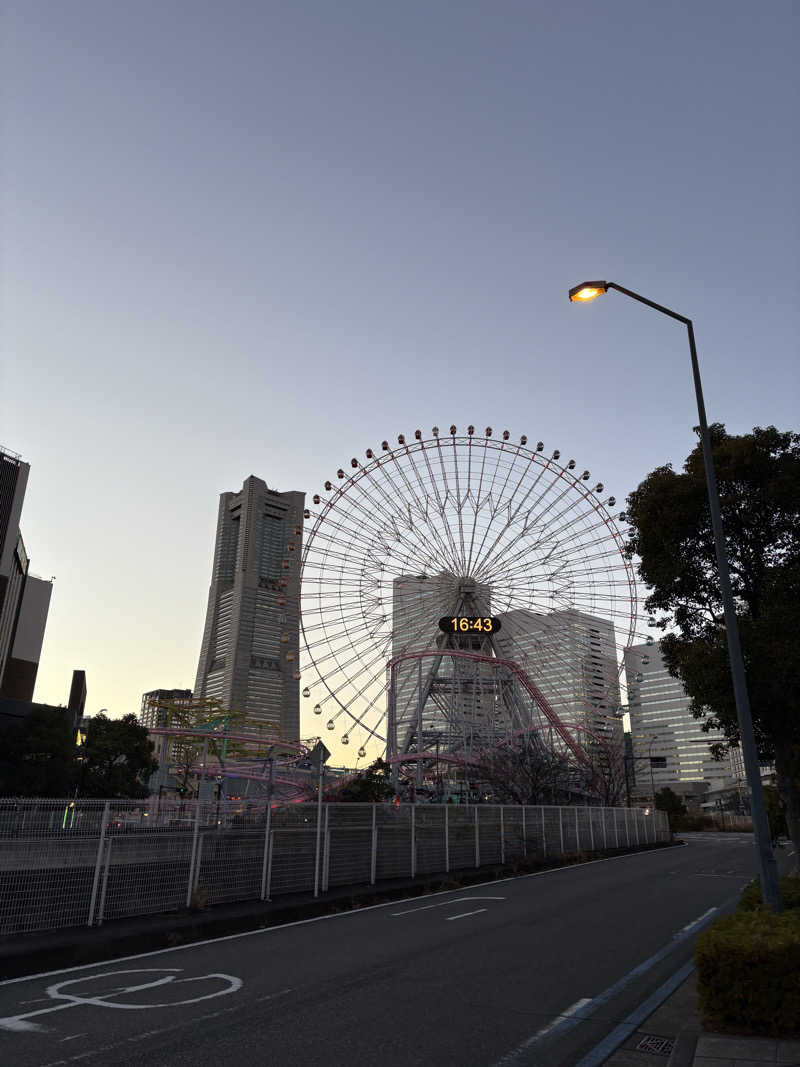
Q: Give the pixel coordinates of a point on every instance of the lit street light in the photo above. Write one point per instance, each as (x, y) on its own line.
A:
(770, 888)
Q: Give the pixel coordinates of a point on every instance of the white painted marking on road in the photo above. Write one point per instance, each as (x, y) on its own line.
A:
(513, 1056)
(443, 904)
(695, 922)
(564, 1015)
(332, 915)
(464, 914)
(272, 996)
(72, 1037)
(20, 1022)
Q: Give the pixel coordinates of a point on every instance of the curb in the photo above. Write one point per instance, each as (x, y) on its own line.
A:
(683, 1051)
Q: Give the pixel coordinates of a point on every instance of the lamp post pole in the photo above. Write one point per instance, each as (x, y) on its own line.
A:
(770, 886)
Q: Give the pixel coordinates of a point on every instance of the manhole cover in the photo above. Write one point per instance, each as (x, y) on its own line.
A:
(659, 1046)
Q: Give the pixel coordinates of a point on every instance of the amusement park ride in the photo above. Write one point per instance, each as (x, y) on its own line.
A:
(462, 596)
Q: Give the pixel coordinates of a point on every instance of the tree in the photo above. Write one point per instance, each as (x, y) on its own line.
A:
(523, 771)
(36, 755)
(372, 786)
(116, 759)
(669, 801)
(759, 486)
(196, 717)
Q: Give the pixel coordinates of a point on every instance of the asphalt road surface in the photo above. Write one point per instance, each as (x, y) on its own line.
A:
(468, 977)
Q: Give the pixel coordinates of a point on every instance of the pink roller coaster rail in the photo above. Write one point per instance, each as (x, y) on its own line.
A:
(536, 694)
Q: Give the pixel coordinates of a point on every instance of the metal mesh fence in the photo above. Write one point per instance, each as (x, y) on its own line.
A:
(83, 862)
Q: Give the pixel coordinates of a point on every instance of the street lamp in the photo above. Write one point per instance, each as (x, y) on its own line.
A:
(770, 887)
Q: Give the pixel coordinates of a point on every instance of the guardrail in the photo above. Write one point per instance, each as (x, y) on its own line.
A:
(83, 862)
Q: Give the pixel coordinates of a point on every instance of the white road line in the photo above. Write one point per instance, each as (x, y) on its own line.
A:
(325, 918)
(272, 996)
(464, 914)
(512, 1057)
(443, 904)
(71, 1037)
(695, 922)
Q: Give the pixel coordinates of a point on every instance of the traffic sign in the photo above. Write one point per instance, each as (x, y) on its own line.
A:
(319, 755)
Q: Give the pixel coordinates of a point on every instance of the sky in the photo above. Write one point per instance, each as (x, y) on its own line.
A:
(258, 238)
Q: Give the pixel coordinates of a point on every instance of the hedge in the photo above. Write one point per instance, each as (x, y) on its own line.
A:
(752, 900)
(748, 973)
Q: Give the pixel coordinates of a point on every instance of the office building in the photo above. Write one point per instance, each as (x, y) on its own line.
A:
(669, 745)
(571, 657)
(13, 709)
(24, 598)
(153, 714)
(249, 659)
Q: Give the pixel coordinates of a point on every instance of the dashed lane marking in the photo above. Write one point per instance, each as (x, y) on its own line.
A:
(444, 904)
(464, 914)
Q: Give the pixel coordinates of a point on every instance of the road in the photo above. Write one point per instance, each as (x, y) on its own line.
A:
(461, 978)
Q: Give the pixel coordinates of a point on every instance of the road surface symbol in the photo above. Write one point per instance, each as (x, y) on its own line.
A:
(223, 983)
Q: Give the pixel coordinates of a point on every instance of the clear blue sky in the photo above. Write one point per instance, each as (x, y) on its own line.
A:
(259, 237)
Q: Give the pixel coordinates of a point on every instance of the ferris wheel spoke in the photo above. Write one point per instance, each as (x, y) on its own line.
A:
(512, 515)
(477, 509)
(459, 507)
(388, 470)
(424, 511)
(449, 551)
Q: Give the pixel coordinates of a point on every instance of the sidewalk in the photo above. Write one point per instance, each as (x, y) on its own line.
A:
(673, 1035)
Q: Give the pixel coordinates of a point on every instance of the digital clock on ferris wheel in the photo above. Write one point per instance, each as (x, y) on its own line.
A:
(469, 624)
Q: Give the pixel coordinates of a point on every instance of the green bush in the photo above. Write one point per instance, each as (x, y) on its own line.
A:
(748, 977)
(751, 899)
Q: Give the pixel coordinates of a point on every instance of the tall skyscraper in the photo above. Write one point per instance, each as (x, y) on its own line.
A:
(24, 598)
(669, 745)
(249, 660)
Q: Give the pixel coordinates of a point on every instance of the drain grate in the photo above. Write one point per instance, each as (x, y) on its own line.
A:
(659, 1046)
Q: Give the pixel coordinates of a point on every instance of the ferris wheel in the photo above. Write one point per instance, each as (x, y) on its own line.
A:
(481, 550)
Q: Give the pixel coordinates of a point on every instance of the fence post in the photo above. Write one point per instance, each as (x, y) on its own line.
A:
(98, 860)
(524, 834)
(561, 827)
(374, 857)
(414, 839)
(197, 861)
(267, 850)
(319, 835)
(477, 838)
(102, 905)
(591, 828)
(544, 836)
(627, 830)
(616, 826)
(502, 836)
(326, 852)
(604, 809)
(446, 839)
(193, 860)
(577, 832)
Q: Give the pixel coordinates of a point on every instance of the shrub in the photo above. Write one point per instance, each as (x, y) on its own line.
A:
(747, 973)
(751, 898)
